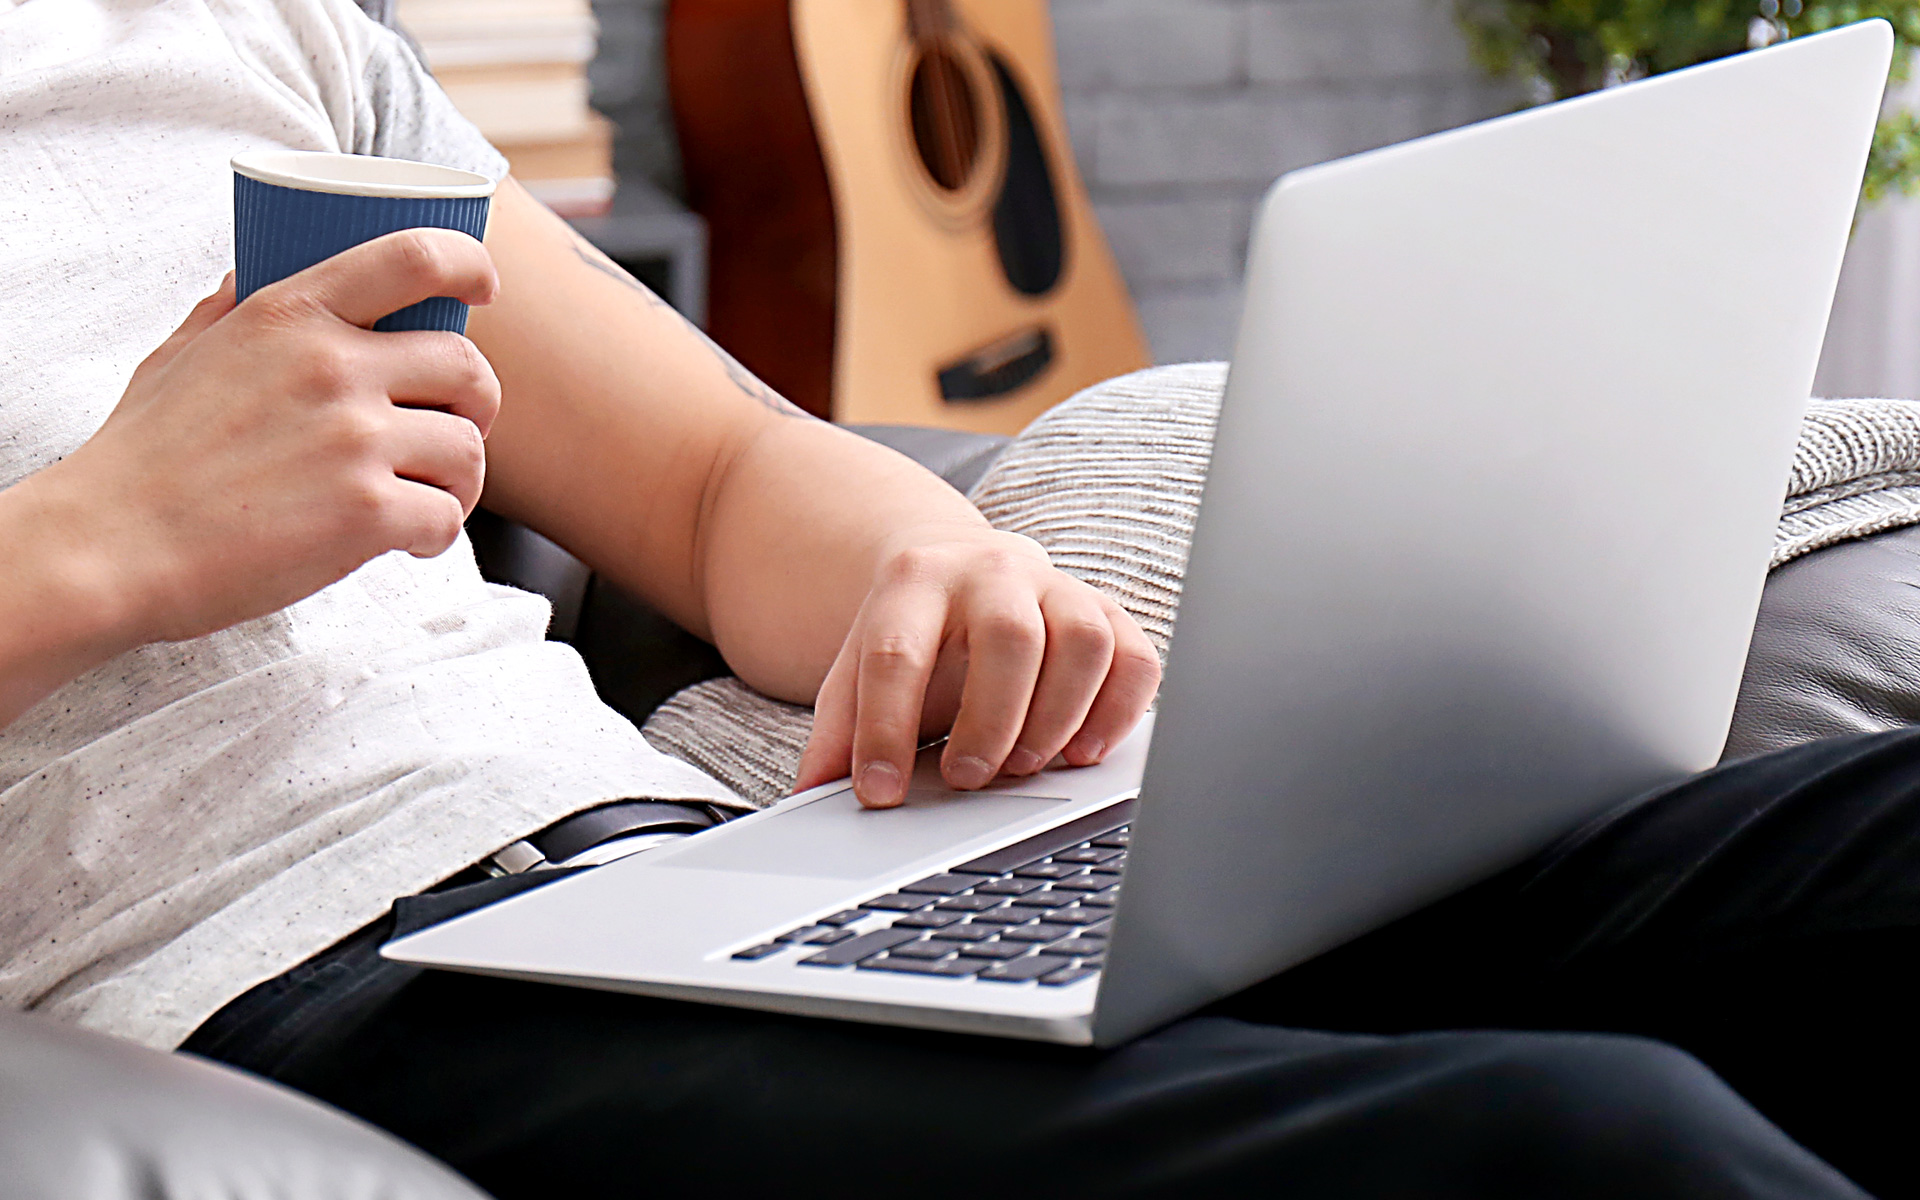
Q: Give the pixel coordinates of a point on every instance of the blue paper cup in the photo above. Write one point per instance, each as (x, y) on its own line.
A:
(292, 209)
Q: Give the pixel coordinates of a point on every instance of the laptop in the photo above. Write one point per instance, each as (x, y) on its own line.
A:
(1506, 433)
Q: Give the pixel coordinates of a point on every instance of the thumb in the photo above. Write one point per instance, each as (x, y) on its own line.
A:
(204, 314)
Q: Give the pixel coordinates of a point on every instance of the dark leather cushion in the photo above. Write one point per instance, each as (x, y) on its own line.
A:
(1836, 648)
(87, 1117)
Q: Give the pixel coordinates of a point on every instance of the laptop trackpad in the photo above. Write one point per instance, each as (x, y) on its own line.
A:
(834, 838)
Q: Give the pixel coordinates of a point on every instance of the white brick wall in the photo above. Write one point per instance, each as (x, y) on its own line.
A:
(1181, 113)
(1347, 41)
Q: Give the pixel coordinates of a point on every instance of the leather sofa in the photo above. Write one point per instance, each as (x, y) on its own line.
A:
(86, 1117)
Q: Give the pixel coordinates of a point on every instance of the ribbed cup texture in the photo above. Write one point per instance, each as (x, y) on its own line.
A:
(278, 231)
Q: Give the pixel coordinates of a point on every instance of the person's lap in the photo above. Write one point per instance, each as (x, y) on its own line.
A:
(1765, 916)
(1760, 917)
(537, 1091)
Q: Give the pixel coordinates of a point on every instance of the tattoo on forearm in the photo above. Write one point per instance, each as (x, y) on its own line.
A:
(742, 378)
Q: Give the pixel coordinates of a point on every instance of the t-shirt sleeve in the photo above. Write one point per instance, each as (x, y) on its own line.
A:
(357, 77)
(410, 117)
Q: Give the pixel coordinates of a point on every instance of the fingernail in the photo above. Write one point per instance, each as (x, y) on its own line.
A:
(968, 772)
(880, 785)
(1023, 761)
(1088, 750)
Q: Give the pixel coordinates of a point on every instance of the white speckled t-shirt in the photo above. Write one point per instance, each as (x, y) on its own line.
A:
(196, 817)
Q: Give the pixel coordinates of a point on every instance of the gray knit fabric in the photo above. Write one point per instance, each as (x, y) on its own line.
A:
(1856, 472)
(1109, 482)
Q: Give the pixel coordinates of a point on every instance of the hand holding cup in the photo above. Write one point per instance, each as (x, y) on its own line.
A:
(318, 411)
(266, 450)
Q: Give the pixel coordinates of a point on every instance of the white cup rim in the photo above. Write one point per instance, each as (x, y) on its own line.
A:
(361, 175)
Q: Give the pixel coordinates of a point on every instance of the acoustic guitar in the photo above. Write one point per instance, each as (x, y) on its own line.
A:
(897, 229)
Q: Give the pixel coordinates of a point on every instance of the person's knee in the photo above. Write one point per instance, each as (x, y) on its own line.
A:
(1596, 1090)
(1629, 1116)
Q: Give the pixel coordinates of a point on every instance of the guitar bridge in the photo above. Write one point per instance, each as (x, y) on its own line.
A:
(999, 367)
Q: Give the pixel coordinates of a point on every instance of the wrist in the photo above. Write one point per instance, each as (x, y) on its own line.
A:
(970, 531)
(64, 607)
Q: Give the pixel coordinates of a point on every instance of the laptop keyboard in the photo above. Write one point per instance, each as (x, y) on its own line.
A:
(1037, 911)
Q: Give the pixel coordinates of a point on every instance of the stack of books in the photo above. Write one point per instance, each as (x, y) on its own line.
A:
(518, 70)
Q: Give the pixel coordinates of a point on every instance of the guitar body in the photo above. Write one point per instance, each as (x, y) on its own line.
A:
(970, 285)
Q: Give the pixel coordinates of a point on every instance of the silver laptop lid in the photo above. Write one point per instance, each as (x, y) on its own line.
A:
(1507, 432)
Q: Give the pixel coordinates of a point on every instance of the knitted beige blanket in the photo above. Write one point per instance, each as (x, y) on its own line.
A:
(1109, 482)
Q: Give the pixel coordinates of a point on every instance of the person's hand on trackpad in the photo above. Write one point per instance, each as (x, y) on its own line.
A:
(975, 632)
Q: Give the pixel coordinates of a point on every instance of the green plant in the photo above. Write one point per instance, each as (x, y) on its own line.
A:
(1562, 48)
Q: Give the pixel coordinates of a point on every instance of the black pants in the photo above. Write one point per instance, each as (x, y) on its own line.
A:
(1702, 995)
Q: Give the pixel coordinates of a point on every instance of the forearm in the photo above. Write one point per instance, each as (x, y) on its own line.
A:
(640, 446)
(827, 569)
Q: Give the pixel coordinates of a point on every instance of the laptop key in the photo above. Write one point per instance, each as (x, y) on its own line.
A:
(944, 885)
(1049, 870)
(970, 903)
(753, 952)
(1106, 899)
(900, 902)
(1036, 933)
(966, 933)
(1009, 887)
(865, 946)
(1117, 840)
(803, 933)
(1088, 854)
(830, 937)
(1049, 915)
(1021, 970)
(1046, 899)
(1078, 947)
(1067, 975)
(922, 950)
(1082, 883)
(1099, 929)
(994, 949)
(1090, 827)
(1079, 915)
(946, 968)
(847, 917)
(933, 918)
(1004, 916)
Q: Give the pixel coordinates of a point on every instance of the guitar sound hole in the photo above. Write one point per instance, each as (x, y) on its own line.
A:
(946, 121)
